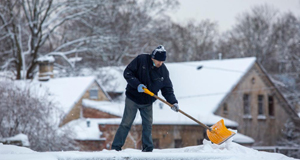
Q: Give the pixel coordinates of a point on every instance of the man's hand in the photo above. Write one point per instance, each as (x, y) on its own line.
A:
(175, 107)
(141, 87)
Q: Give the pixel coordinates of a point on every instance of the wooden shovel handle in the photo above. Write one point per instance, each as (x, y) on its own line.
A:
(169, 104)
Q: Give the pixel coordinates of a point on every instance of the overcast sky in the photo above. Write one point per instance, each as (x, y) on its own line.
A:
(225, 11)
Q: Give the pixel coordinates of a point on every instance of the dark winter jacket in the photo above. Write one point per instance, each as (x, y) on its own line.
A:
(142, 71)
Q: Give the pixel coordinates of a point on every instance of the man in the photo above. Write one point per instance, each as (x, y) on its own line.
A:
(145, 71)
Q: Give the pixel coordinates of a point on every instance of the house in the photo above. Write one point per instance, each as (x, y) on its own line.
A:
(67, 94)
(236, 90)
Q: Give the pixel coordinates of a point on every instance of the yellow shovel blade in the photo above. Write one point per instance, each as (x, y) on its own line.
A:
(219, 133)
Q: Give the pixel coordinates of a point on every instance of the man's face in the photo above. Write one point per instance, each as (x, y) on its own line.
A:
(157, 63)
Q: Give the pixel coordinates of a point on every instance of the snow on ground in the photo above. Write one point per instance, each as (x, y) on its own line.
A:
(208, 151)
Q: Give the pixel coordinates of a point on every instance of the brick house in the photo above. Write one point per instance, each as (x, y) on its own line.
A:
(258, 106)
(237, 90)
(68, 93)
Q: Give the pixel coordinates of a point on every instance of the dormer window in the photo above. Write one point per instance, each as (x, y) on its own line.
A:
(94, 93)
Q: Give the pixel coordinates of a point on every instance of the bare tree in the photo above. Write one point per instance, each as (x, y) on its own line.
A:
(105, 31)
(126, 28)
(291, 138)
(273, 39)
(27, 25)
(28, 111)
(252, 36)
(187, 42)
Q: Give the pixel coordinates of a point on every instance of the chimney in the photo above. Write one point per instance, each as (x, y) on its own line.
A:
(45, 67)
(220, 56)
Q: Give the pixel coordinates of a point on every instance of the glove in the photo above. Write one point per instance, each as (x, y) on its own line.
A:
(175, 107)
(141, 87)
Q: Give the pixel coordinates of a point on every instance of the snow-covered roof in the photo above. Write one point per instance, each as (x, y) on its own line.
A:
(243, 139)
(65, 92)
(204, 89)
(85, 129)
(19, 137)
(46, 59)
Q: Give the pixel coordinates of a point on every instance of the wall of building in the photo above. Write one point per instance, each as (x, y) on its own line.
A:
(94, 113)
(266, 129)
(91, 145)
(164, 136)
(76, 111)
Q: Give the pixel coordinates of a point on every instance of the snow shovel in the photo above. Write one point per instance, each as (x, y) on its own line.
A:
(218, 133)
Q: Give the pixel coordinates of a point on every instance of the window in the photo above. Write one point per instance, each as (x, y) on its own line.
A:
(225, 108)
(156, 143)
(178, 143)
(94, 93)
(271, 106)
(246, 101)
(260, 104)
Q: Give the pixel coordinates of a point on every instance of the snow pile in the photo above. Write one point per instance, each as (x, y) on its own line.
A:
(11, 149)
(226, 151)
(46, 59)
(226, 147)
(19, 137)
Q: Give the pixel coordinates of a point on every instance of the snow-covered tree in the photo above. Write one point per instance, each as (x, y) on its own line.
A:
(252, 35)
(24, 110)
(99, 30)
(274, 39)
(124, 28)
(26, 27)
(190, 42)
(291, 137)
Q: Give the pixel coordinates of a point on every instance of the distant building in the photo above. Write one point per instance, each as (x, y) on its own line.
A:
(236, 90)
(67, 94)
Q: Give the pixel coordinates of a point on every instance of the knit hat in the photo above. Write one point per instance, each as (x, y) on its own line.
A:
(159, 53)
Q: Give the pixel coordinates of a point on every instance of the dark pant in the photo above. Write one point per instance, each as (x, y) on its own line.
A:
(127, 120)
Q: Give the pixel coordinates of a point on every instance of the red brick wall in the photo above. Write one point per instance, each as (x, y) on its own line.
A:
(165, 134)
(94, 113)
(92, 145)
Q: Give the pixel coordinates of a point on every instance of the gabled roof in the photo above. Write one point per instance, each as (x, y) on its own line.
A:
(201, 86)
(65, 92)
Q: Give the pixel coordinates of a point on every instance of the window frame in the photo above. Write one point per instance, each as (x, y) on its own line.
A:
(246, 104)
(271, 106)
(260, 104)
(92, 93)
